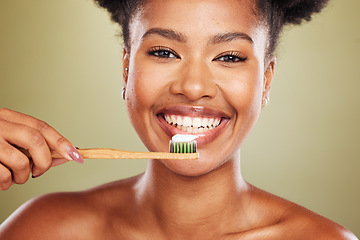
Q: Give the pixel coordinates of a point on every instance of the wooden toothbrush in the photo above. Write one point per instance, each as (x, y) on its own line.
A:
(178, 150)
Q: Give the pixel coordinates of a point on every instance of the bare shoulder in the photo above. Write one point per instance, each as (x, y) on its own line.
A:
(72, 215)
(310, 225)
(291, 221)
(47, 216)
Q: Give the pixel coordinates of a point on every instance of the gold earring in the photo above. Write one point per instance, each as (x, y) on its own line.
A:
(265, 102)
(123, 91)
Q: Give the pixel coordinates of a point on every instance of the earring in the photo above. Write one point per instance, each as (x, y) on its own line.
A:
(265, 102)
(123, 91)
(125, 72)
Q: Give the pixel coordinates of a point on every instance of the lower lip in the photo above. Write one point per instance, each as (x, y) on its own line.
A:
(203, 138)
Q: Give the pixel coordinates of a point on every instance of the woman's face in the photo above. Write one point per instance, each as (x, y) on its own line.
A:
(196, 67)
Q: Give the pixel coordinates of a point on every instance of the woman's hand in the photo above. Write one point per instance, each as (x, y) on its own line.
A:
(38, 138)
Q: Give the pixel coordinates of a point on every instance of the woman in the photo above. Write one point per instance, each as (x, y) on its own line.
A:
(206, 59)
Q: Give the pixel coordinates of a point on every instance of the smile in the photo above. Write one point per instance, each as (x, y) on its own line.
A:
(204, 122)
(192, 124)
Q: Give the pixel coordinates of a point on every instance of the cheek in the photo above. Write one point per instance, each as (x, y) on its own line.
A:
(142, 89)
(244, 94)
(149, 86)
(243, 91)
(137, 90)
(145, 86)
(138, 101)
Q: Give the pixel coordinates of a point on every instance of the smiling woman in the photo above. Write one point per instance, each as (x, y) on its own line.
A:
(190, 68)
(202, 68)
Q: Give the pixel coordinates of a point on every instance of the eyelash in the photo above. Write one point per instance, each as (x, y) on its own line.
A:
(162, 52)
(165, 52)
(234, 57)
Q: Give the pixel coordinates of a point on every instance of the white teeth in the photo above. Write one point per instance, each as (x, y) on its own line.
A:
(196, 122)
(187, 121)
(173, 119)
(192, 124)
(200, 130)
(205, 122)
(211, 121)
(189, 129)
(179, 120)
(167, 118)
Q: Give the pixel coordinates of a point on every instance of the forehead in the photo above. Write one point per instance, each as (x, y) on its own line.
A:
(199, 18)
(200, 7)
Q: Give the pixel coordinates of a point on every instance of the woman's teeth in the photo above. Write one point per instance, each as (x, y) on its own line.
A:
(192, 124)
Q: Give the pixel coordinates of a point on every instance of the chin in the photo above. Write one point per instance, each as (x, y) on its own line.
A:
(195, 168)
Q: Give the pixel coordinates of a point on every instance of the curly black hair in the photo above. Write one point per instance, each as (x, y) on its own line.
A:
(278, 13)
(275, 13)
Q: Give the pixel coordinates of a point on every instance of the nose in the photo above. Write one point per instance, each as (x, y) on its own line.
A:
(195, 81)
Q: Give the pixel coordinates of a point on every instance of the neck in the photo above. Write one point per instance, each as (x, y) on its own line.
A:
(183, 203)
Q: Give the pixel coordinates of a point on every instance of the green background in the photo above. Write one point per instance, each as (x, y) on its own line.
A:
(60, 61)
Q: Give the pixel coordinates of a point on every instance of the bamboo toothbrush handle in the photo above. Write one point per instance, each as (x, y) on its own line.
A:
(108, 153)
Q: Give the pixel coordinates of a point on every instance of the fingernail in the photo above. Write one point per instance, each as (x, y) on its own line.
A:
(36, 176)
(75, 155)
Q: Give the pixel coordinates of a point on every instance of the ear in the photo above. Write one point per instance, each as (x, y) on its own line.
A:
(125, 64)
(268, 77)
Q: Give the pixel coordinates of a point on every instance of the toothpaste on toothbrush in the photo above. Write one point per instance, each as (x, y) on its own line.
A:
(183, 144)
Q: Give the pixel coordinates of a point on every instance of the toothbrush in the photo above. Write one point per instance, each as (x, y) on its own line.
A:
(180, 148)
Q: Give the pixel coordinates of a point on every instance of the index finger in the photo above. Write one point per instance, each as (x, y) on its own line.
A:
(54, 139)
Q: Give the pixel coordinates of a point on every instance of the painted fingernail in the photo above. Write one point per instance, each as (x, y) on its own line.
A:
(75, 155)
(36, 176)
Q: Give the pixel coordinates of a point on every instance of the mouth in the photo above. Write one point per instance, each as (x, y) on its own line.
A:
(192, 125)
(207, 124)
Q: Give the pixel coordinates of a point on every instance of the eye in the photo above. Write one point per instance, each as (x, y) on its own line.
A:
(162, 52)
(231, 57)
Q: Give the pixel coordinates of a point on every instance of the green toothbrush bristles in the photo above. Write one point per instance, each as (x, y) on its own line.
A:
(183, 147)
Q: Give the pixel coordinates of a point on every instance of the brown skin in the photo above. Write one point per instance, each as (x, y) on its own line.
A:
(201, 199)
(115, 211)
(34, 135)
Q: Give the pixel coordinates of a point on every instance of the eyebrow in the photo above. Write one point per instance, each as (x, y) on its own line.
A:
(216, 39)
(231, 36)
(167, 33)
